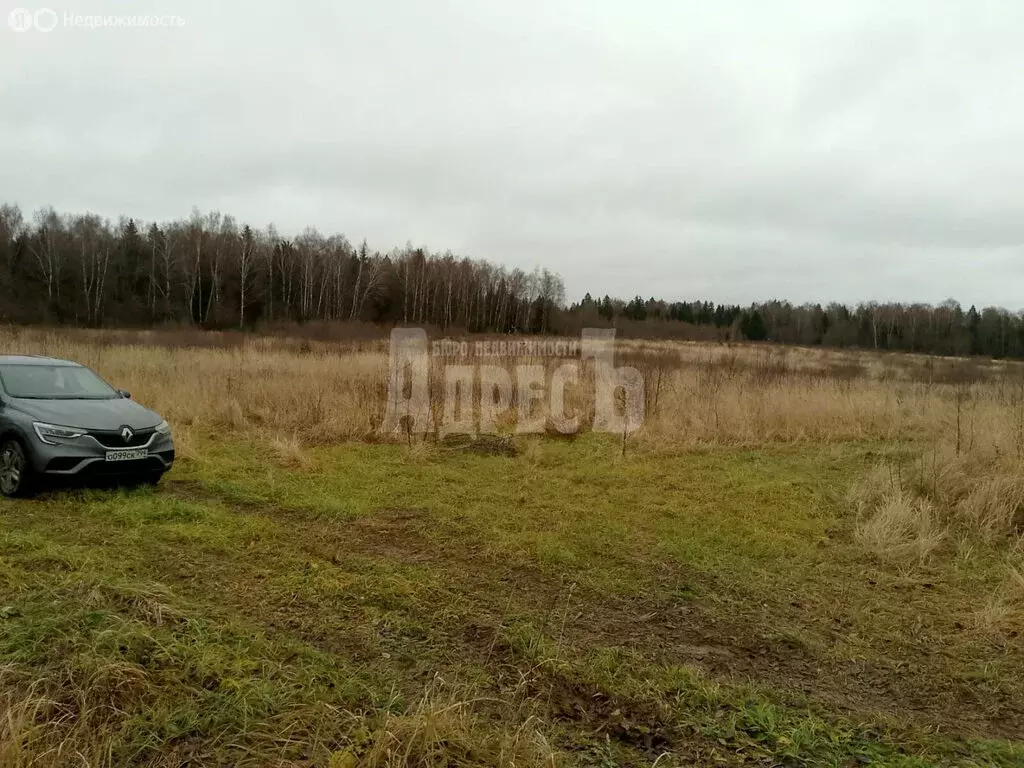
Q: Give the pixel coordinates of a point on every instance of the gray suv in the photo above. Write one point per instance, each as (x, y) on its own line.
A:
(58, 419)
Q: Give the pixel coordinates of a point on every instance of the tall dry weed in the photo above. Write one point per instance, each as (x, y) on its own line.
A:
(905, 510)
(446, 727)
(901, 529)
(695, 394)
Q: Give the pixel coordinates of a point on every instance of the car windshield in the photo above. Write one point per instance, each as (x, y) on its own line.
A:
(54, 382)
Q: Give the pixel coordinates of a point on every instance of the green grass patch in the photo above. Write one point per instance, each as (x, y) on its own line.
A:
(436, 606)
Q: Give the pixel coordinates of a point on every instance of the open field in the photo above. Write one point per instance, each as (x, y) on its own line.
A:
(803, 557)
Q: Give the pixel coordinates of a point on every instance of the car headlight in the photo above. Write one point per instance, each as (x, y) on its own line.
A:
(163, 428)
(51, 433)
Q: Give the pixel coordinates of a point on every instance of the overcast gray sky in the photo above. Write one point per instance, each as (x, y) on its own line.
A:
(843, 150)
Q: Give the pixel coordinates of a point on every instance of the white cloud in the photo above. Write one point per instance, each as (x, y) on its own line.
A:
(736, 151)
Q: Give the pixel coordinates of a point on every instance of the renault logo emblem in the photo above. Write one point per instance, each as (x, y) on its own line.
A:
(127, 434)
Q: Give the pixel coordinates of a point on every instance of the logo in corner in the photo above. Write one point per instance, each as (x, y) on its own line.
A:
(20, 20)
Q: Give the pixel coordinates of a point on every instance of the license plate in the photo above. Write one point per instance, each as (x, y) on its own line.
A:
(130, 455)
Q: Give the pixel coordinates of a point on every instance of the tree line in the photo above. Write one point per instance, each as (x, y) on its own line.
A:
(946, 329)
(210, 271)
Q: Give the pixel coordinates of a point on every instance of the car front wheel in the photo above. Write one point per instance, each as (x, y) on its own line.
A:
(14, 469)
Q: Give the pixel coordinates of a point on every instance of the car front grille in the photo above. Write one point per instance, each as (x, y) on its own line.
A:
(113, 439)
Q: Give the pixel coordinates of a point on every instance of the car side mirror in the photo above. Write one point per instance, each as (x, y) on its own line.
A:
(125, 393)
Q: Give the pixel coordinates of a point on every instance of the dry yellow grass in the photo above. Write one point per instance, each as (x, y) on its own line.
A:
(696, 394)
(906, 509)
(443, 728)
(290, 454)
(901, 529)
